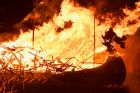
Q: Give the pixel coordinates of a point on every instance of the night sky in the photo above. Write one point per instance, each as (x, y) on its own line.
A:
(13, 11)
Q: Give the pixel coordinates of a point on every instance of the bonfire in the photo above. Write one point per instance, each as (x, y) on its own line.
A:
(68, 42)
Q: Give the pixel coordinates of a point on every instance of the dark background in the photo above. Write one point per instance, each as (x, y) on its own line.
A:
(13, 11)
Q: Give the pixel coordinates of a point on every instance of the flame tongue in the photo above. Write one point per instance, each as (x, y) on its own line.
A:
(130, 23)
(69, 34)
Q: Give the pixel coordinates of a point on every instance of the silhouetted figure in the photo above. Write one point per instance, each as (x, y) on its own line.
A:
(110, 37)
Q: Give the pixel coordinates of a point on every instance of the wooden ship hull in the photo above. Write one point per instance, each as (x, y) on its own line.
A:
(113, 72)
(110, 74)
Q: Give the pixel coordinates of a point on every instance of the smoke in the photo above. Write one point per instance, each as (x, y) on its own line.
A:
(43, 12)
(132, 52)
(8, 36)
(104, 6)
(131, 56)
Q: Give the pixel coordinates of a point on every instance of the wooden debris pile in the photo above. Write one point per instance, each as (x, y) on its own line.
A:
(11, 75)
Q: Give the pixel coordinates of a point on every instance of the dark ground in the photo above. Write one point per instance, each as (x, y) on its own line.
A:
(72, 89)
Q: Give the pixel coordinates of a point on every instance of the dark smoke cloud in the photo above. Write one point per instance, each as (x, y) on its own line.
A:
(104, 6)
(45, 12)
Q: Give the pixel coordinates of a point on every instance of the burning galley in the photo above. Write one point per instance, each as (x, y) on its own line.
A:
(70, 46)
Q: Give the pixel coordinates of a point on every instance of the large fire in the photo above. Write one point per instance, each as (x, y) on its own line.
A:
(67, 38)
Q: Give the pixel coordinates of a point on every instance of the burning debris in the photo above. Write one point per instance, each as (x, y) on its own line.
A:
(63, 54)
(44, 72)
(16, 71)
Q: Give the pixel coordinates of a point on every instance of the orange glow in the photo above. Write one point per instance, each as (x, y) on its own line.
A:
(75, 40)
(130, 23)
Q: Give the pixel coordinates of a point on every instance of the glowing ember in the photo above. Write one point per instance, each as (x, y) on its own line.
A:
(68, 37)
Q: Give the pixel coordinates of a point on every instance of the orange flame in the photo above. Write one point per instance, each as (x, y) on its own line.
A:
(69, 34)
(130, 23)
